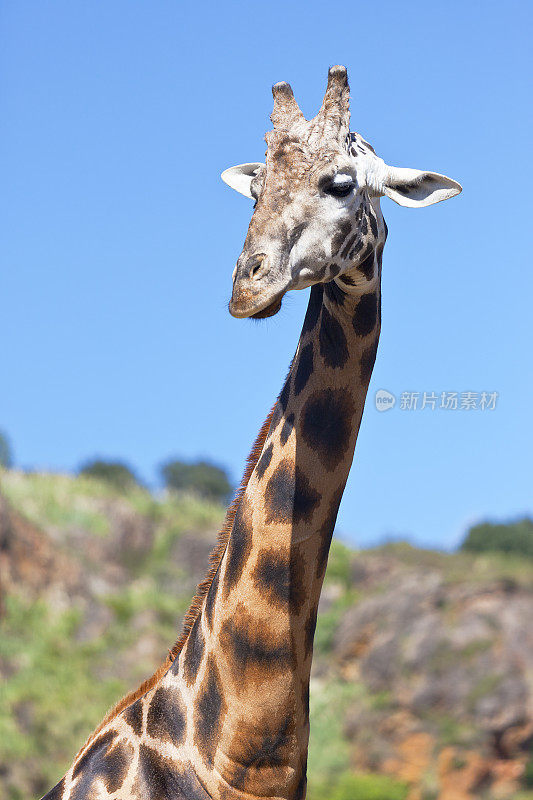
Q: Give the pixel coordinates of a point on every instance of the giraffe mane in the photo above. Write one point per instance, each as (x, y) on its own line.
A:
(201, 591)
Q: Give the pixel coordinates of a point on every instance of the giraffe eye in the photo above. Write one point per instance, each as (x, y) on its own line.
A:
(340, 189)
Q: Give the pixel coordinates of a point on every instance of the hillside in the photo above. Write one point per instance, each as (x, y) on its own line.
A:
(422, 683)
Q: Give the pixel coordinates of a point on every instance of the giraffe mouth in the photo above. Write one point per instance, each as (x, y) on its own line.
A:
(269, 311)
(242, 306)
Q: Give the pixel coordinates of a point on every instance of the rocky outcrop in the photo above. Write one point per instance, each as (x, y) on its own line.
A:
(30, 561)
(447, 668)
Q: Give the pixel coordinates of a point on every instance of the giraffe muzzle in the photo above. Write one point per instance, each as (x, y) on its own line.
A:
(255, 294)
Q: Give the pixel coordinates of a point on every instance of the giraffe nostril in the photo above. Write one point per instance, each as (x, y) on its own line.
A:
(256, 267)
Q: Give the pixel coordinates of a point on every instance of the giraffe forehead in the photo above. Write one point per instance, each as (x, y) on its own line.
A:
(290, 160)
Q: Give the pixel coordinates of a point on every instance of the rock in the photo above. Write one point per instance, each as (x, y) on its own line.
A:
(132, 534)
(29, 559)
(380, 663)
(191, 554)
(450, 662)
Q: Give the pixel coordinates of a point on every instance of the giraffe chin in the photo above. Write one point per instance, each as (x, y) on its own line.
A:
(269, 311)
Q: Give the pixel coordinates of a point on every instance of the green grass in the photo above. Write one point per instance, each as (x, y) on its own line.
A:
(381, 701)
(328, 622)
(141, 597)
(528, 772)
(57, 501)
(329, 751)
(62, 502)
(359, 786)
(59, 687)
(53, 695)
(451, 731)
(339, 562)
(486, 685)
(462, 567)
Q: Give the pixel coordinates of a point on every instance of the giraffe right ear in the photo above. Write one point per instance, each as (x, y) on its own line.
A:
(415, 188)
(241, 176)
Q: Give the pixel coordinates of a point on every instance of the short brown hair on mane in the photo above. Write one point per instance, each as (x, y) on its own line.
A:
(202, 588)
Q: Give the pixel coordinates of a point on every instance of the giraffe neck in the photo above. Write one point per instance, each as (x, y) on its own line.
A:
(228, 719)
(254, 635)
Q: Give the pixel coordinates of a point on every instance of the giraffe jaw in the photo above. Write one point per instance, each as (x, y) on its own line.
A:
(241, 309)
(269, 311)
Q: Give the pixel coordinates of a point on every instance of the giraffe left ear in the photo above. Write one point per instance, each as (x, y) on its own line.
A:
(240, 177)
(415, 188)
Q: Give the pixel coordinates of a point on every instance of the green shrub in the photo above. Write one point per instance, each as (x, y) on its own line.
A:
(200, 477)
(339, 563)
(116, 473)
(513, 538)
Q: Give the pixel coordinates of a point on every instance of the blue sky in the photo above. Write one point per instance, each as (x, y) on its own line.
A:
(119, 239)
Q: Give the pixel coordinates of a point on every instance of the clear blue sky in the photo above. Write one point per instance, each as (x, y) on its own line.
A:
(119, 239)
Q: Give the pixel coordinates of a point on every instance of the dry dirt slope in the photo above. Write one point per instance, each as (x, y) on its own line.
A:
(422, 683)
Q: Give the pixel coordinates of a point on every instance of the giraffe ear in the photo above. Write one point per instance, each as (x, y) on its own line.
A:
(240, 177)
(415, 188)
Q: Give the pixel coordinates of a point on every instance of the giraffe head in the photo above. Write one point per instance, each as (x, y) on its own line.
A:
(316, 213)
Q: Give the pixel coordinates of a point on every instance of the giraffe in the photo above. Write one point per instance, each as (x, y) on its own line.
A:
(226, 717)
